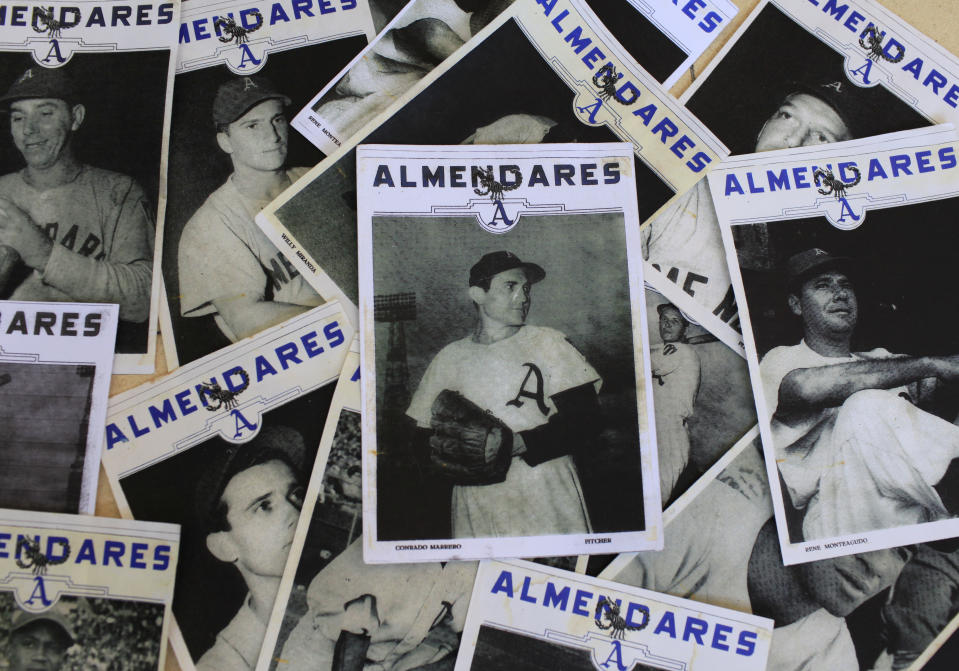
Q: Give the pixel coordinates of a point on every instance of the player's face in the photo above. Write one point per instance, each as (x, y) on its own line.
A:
(41, 129)
(672, 326)
(508, 299)
(827, 303)
(843, 584)
(37, 647)
(258, 139)
(801, 121)
(263, 505)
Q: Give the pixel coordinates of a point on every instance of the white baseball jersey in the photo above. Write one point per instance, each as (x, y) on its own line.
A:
(238, 643)
(515, 380)
(223, 253)
(104, 232)
(685, 244)
(675, 385)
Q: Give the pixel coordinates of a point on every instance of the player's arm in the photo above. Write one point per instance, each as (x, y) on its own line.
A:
(574, 426)
(246, 314)
(805, 391)
(125, 276)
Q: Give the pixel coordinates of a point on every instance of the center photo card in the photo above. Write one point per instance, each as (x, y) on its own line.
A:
(505, 366)
(836, 256)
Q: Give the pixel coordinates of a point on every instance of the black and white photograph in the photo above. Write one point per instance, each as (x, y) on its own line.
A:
(334, 611)
(701, 395)
(238, 505)
(80, 634)
(55, 364)
(81, 169)
(856, 405)
(534, 618)
(502, 411)
(873, 611)
(231, 152)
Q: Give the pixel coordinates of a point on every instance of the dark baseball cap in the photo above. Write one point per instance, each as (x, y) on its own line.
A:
(494, 263)
(803, 265)
(57, 615)
(663, 306)
(40, 82)
(272, 442)
(238, 96)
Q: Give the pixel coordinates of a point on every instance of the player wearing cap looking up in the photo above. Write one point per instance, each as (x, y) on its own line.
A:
(533, 381)
(686, 235)
(828, 405)
(227, 266)
(39, 641)
(82, 233)
(248, 502)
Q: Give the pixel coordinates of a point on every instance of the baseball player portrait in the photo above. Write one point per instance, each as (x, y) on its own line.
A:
(512, 467)
(72, 231)
(248, 502)
(39, 641)
(227, 266)
(676, 375)
(828, 404)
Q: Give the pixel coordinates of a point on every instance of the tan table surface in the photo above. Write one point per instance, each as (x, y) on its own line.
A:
(935, 18)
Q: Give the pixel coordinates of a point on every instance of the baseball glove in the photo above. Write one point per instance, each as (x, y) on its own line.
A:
(469, 446)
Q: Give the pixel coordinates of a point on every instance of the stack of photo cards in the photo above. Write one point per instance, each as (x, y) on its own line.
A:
(528, 617)
(55, 363)
(835, 255)
(503, 285)
(224, 447)
(95, 186)
(82, 592)
(239, 74)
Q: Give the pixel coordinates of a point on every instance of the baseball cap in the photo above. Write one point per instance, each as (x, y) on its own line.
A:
(272, 442)
(808, 262)
(663, 306)
(494, 263)
(237, 96)
(57, 615)
(40, 82)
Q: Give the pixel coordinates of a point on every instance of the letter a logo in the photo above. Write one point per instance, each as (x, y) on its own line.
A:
(499, 216)
(846, 209)
(862, 73)
(248, 57)
(593, 110)
(241, 424)
(616, 655)
(39, 592)
(537, 395)
(54, 53)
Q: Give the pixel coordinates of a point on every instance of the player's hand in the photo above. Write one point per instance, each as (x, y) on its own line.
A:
(670, 348)
(18, 231)
(947, 368)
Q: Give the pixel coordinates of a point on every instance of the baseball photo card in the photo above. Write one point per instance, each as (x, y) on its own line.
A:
(527, 617)
(83, 200)
(548, 75)
(856, 405)
(55, 363)
(409, 615)
(224, 447)
(797, 73)
(79, 592)
(506, 384)
(240, 76)
(665, 40)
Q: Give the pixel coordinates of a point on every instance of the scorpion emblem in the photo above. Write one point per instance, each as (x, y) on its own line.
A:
(873, 45)
(605, 80)
(615, 620)
(37, 560)
(834, 185)
(223, 398)
(493, 188)
(233, 31)
(45, 23)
